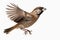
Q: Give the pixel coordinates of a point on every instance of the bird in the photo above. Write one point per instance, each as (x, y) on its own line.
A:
(23, 18)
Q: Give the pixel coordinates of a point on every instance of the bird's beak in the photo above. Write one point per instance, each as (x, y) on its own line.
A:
(44, 9)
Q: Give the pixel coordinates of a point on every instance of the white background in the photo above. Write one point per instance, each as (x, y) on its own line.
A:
(47, 27)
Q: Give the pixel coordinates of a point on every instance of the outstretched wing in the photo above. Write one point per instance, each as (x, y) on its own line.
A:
(15, 13)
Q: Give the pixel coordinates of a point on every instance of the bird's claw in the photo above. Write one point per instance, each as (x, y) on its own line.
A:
(27, 32)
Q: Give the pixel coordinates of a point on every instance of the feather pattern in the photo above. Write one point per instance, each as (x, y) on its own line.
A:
(14, 12)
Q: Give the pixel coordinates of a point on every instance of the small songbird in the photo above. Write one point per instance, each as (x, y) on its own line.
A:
(22, 18)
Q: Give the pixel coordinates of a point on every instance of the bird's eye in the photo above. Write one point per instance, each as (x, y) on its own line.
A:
(38, 11)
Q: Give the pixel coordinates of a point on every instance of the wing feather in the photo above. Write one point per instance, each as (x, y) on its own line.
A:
(14, 12)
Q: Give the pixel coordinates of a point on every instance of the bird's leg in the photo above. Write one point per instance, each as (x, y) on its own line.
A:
(26, 31)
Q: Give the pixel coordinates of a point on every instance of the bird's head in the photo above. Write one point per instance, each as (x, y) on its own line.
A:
(38, 10)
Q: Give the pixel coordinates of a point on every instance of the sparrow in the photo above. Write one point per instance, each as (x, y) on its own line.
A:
(22, 18)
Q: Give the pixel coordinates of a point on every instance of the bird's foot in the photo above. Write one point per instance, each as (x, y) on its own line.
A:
(26, 31)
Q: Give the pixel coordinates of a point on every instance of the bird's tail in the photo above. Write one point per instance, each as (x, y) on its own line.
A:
(10, 29)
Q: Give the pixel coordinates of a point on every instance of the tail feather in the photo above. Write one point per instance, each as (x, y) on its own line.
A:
(10, 29)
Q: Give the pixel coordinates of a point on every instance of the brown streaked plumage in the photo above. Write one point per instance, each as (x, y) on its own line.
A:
(22, 18)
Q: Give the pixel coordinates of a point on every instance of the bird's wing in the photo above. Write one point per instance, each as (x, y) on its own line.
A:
(15, 13)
